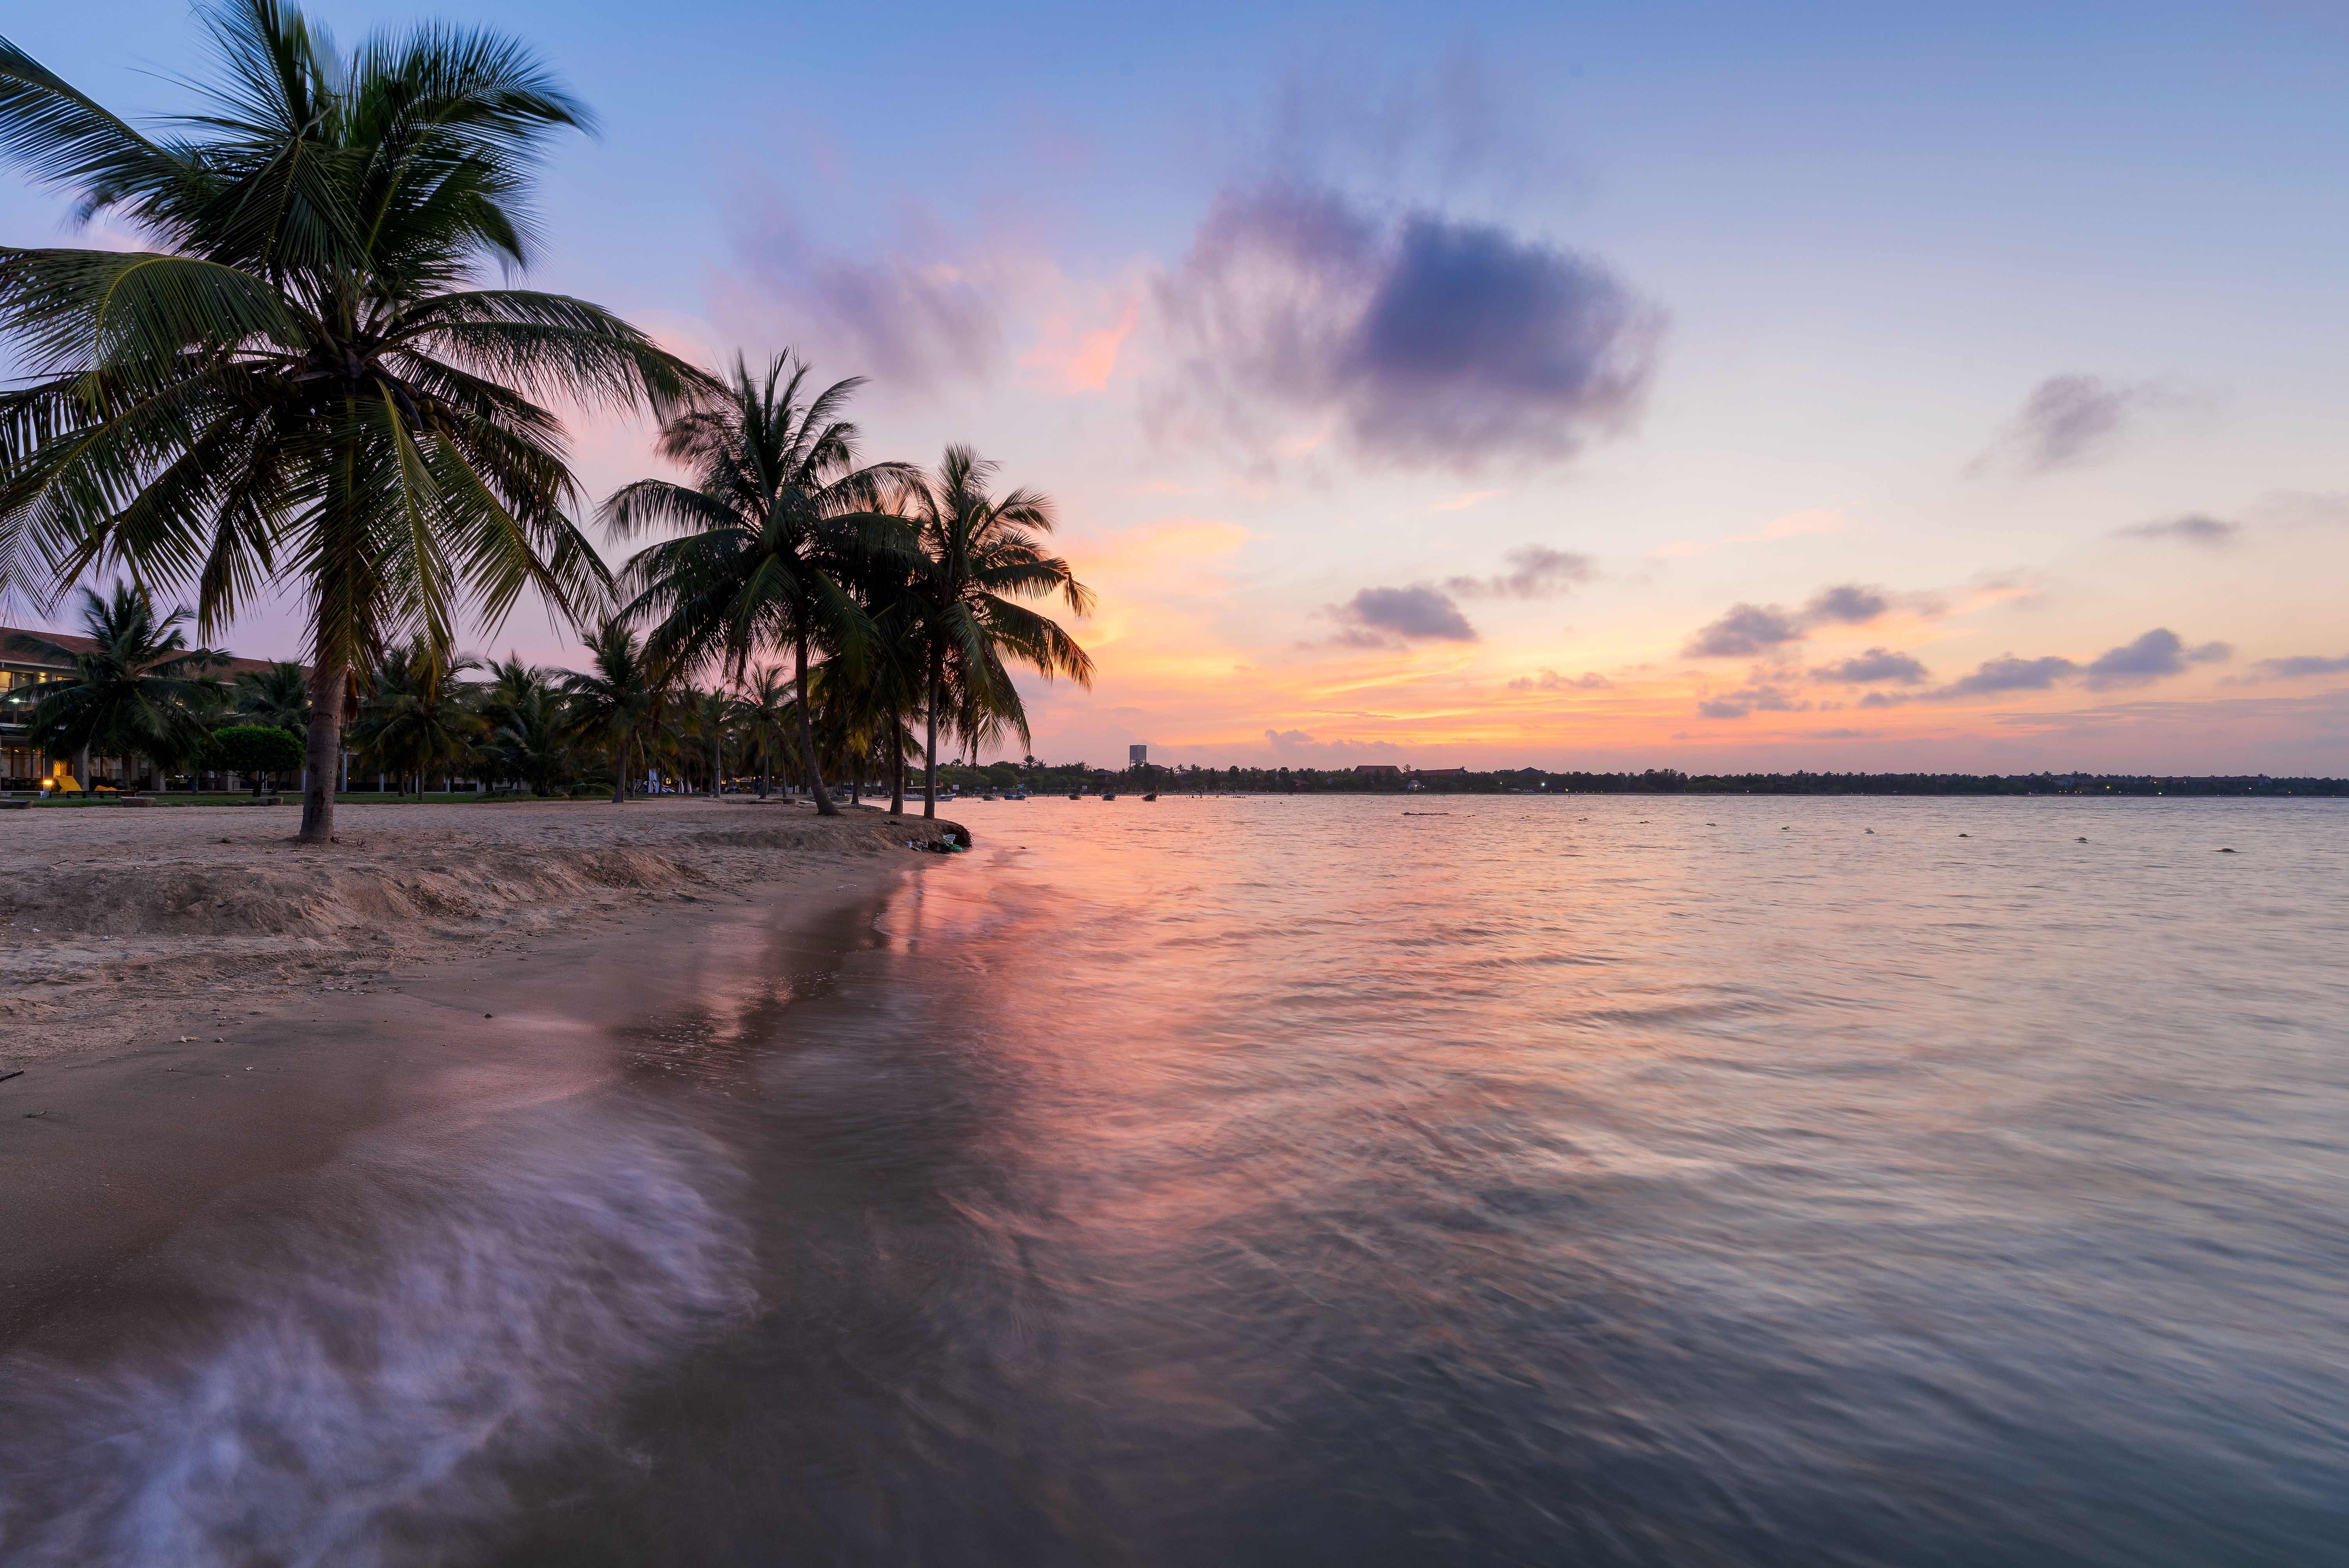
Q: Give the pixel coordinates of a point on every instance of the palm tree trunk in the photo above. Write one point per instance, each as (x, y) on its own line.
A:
(620, 772)
(329, 681)
(896, 762)
(930, 764)
(823, 806)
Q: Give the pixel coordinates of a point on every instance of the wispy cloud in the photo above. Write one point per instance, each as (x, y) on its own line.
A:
(2302, 667)
(2192, 528)
(2069, 419)
(1875, 665)
(1793, 525)
(1535, 572)
(1427, 340)
(1551, 680)
(1464, 501)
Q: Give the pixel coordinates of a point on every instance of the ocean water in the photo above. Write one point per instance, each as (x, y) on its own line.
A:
(1294, 1180)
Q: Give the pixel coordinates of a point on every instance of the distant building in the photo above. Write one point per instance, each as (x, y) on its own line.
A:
(1377, 771)
(1443, 773)
(1135, 756)
(23, 672)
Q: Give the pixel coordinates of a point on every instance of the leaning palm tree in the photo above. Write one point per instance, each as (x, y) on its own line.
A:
(616, 704)
(418, 718)
(306, 379)
(137, 692)
(769, 536)
(976, 554)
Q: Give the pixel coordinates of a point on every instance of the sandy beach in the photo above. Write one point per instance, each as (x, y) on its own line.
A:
(127, 928)
(194, 1005)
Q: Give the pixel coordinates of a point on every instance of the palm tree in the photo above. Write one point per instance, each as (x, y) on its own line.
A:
(528, 737)
(278, 696)
(706, 714)
(136, 693)
(975, 555)
(418, 718)
(765, 711)
(770, 535)
(304, 379)
(618, 702)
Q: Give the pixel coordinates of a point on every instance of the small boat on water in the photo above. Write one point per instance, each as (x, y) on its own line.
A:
(1108, 794)
(1017, 795)
(1076, 794)
(1151, 797)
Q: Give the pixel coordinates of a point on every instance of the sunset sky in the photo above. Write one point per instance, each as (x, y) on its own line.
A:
(1709, 386)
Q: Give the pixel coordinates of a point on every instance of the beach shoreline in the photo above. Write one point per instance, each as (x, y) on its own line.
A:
(230, 1058)
(121, 929)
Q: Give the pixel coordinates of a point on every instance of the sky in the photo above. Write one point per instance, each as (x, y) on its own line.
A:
(1713, 387)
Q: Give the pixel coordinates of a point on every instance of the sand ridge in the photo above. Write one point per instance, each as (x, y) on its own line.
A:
(110, 919)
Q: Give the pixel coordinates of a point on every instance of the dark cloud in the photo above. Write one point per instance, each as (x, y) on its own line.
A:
(2304, 665)
(2068, 419)
(1875, 665)
(1551, 680)
(1748, 630)
(1429, 340)
(2194, 528)
(2011, 673)
(888, 316)
(2159, 652)
(1535, 572)
(1418, 612)
(1744, 631)
(1847, 603)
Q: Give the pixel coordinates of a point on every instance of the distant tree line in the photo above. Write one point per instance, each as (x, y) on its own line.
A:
(1185, 778)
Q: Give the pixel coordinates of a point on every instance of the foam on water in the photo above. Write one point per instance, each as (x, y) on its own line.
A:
(349, 1385)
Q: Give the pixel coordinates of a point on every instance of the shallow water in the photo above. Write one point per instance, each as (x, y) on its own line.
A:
(1293, 1180)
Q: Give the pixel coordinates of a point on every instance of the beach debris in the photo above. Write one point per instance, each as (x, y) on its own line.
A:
(2225, 851)
(1868, 830)
(2079, 840)
(489, 1014)
(1965, 835)
(13, 1072)
(30, 1114)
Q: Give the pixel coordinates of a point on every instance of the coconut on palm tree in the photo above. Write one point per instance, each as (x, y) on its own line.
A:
(975, 555)
(769, 536)
(137, 692)
(305, 378)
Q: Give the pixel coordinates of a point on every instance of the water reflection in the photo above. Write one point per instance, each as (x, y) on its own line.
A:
(1288, 1181)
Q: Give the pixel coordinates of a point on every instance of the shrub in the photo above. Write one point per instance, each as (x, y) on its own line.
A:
(255, 750)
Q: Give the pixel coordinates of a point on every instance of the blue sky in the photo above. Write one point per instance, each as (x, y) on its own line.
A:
(1965, 307)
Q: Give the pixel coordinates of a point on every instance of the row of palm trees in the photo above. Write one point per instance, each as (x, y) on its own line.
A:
(310, 385)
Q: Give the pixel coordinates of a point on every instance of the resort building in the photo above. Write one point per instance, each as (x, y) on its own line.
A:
(23, 766)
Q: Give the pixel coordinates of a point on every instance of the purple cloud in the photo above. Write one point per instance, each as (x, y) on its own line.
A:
(2067, 419)
(2303, 665)
(1875, 665)
(2159, 652)
(1419, 611)
(2011, 673)
(887, 317)
(1535, 572)
(1551, 680)
(1748, 630)
(1430, 341)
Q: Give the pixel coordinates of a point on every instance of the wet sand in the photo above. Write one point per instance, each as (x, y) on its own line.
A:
(439, 962)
